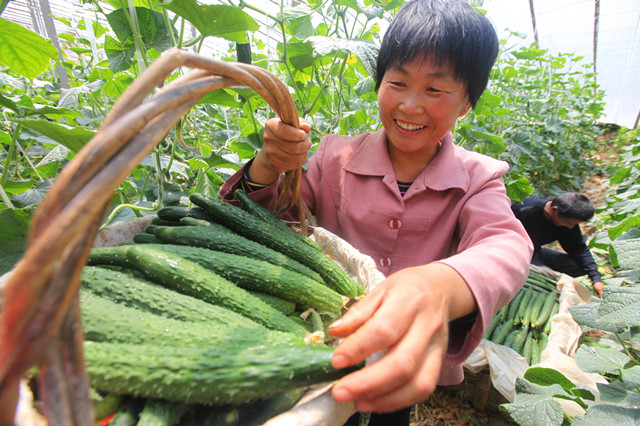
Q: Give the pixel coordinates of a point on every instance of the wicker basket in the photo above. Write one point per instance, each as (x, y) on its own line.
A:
(40, 323)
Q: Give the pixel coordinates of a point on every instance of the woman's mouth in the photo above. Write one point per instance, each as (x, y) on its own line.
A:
(409, 126)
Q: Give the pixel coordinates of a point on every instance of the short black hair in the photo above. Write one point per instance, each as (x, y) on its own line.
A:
(572, 205)
(449, 32)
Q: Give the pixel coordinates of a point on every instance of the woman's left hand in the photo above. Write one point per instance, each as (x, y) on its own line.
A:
(408, 314)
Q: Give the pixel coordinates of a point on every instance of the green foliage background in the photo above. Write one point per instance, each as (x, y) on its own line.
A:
(540, 113)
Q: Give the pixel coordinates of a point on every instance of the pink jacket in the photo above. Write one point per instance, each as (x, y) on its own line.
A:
(456, 212)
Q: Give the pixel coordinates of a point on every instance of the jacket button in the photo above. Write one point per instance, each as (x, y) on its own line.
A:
(385, 262)
(395, 224)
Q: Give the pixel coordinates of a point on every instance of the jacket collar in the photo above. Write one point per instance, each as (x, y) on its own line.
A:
(444, 171)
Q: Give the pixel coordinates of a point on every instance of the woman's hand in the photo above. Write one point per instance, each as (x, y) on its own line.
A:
(285, 148)
(408, 314)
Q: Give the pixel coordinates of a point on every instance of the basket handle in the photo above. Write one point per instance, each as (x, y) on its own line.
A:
(41, 312)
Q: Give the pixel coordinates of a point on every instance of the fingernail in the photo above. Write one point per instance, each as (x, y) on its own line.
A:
(335, 324)
(339, 361)
(342, 395)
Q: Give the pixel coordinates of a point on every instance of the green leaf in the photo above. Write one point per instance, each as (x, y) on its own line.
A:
(298, 21)
(69, 98)
(24, 52)
(627, 252)
(616, 393)
(621, 306)
(73, 138)
(56, 156)
(120, 56)
(367, 51)
(608, 415)
(229, 22)
(14, 229)
(592, 359)
(33, 196)
(208, 184)
(631, 376)
(8, 103)
(300, 54)
(220, 97)
(587, 317)
(547, 377)
(153, 31)
(624, 226)
(495, 143)
(534, 410)
(519, 189)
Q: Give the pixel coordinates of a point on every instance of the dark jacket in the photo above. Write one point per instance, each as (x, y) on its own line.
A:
(543, 231)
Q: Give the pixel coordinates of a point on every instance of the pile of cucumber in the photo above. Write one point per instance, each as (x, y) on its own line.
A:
(525, 322)
(215, 312)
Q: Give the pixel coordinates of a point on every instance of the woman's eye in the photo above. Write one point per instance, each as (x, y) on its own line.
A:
(397, 83)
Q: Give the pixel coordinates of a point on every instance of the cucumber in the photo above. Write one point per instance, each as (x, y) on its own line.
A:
(511, 337)
(158, 412)
(495, 321)
(106, 321)
(257, 230)
(133, 292)
(149, 229)
(547, 326)
(285, 306)
(502, 333)
(188, 277)
(258, 275)
(523, 306)
(527, 348)
(535, 352)
(128, 413)
(210, 374)
(268, 216)
(541, 281)
(217, 237)
(112, 256)
(513, 306)
(145, 238)
(161, 222)
(175, 213)
(533, 310)
(519, 339)
(545, 310)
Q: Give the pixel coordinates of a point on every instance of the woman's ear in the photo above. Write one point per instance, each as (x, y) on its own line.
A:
(465, 109)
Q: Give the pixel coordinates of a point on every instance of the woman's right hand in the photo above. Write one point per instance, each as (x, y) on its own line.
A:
(285, 148)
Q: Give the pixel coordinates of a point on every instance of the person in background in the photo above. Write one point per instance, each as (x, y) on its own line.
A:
(559, 219)
(435, 217)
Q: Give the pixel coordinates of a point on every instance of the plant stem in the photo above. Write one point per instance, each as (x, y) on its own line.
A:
(120, 207)
(5, 198)
(10, 154)
(626, 350)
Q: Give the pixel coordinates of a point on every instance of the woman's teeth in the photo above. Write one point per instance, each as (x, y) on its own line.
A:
(407, 126)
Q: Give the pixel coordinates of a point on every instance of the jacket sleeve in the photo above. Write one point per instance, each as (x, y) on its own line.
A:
(573, 243)
(493, 256)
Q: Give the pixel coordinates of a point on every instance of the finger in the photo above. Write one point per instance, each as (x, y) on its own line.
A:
(422, 385)
(285, 132)
(420, 350)
(358, 314)
(304, 125)
(386, 326)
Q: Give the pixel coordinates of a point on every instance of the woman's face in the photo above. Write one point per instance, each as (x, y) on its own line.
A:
(419, 104)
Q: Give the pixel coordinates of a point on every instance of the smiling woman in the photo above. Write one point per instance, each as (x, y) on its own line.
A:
(433, 65)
